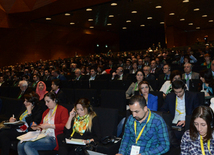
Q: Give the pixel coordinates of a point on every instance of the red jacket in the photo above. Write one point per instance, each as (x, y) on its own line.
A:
(61, 118)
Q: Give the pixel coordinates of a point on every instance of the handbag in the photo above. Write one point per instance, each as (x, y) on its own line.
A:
(82, 150)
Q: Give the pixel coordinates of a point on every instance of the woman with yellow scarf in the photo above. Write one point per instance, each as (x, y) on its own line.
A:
(82, 124)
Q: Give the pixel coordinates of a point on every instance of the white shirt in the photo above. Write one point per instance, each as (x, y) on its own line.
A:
(180, 107)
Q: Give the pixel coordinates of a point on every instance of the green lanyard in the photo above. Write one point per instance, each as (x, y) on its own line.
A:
(135, 88)
(169, 89)
(188, 76)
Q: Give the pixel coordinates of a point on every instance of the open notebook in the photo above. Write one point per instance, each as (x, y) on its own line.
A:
(31, 136)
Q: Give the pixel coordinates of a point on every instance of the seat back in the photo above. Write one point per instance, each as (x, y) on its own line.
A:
(90, 94)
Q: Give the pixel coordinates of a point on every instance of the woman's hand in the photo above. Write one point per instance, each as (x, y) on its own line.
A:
(45, 126)
(12, 119)
(88, 141)
(72, 113)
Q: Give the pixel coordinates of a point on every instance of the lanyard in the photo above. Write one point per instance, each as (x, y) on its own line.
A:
(176, 107)
(47, 117)
(135, 126)
(136, 86)
(169, 89)
(202, 145)
(23, 115)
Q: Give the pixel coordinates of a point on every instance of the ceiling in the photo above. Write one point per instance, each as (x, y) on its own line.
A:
(122, 12)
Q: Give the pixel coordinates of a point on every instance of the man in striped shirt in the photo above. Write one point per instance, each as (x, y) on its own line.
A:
(145, 131)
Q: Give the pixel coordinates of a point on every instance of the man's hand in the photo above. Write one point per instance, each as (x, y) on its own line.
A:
(181, 123)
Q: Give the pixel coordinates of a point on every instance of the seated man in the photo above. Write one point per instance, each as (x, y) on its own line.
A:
(179, 104)
(59, 93)
(93, 75)
(57, 75)
(145, 131)
(78, 75)
(24, 89)
(35, 81)
(148, 75)
(118, 75)
(166, 73)
(188, 74)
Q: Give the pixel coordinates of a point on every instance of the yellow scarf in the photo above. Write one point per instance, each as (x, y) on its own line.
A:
(80, 124)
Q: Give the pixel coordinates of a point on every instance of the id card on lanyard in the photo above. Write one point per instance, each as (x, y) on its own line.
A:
(136, 149)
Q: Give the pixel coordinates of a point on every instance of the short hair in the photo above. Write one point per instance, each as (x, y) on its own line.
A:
(139, 86)
(174, 73)
(167, 65)
(206, 114)
(57, 82)
(32, 98)
(188, 64)
(177, 84)
(23, 83)
(78, 70)
(148, 67)
(57, 71)
(138, 98)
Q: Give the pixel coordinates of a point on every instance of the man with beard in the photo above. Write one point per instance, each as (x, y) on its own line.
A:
(145, 131)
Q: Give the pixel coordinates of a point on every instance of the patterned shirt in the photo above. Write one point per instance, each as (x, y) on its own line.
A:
(154, 139)
(190, 147)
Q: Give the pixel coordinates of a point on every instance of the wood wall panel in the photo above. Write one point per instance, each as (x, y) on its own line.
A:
(39, 41)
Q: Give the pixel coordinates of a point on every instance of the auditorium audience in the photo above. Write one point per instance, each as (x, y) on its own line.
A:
(31, 114)
(166, 73)
(199, 138)
(52, 124)
(82, 124)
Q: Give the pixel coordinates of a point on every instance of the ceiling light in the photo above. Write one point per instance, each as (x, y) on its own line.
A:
(111, 16)
(182, 19)
(109, 24)
(190, 24)
(185, 1)
(134, 12)
(113, 4)
(124, 28)
(149, 17)
(158, 7)
(196, 9)
(161, 22)
(89, 9)
(172, 14)
(197, 27)
(128, 21)
(204, 15)
(72, 23)
(90, 20)
(67, 14)
(91, 27)
(48, 18)
(142, 25)
(210, 21)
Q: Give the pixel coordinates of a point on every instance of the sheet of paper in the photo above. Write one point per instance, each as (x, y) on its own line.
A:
(94, 153)
(31, 136)
(16, 122)
(74, 141)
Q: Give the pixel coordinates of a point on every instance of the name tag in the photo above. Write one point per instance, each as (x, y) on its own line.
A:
(135, 150)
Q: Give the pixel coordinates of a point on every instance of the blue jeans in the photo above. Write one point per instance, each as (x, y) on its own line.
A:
(31, 148)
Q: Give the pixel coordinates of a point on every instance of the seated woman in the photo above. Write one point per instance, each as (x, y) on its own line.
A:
(208, 83)
(53, 122)
(134, 86)
(41, 89)
(82, 124)
(199, 139)
(31, 113)
(134, 68)
(167, 86)
(151, 100)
